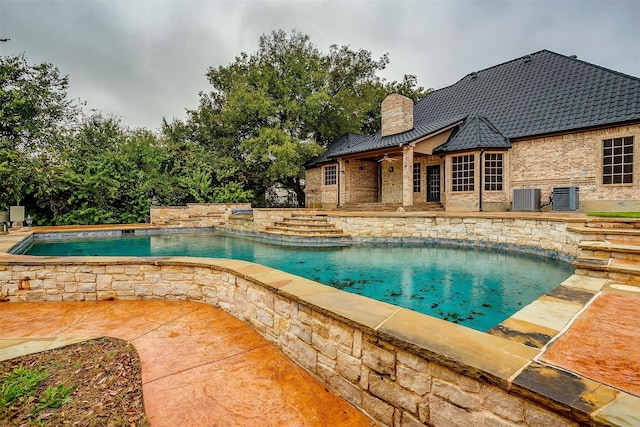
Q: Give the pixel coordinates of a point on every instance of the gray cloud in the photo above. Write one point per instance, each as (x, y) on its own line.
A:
(143, 60)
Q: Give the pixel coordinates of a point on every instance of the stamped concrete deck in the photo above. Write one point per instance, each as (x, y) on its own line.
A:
(200, 365)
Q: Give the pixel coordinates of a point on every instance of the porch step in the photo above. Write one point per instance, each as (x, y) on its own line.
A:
(369, 207)
(391, 207)
(428, 207)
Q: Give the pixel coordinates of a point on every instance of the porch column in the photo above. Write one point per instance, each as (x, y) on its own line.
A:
(342, 180)
(407, 176)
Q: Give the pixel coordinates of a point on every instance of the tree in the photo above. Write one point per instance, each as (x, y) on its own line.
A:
(34, 108)
(270, 112)
(34, 117)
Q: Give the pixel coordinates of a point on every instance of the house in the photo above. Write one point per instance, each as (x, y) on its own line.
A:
(543, 129)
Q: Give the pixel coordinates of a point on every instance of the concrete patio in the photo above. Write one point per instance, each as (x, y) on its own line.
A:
(200, 365)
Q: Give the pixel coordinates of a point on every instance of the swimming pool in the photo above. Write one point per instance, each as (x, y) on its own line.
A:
(478, 288)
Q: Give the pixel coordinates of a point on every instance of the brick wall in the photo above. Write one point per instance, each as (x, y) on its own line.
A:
(544, 163)
(392, 180)
(360, 182)
(575, 160)
(316, 193)
(313, 187)
(393, 381)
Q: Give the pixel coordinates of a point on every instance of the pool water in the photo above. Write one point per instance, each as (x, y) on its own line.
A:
(474, 287)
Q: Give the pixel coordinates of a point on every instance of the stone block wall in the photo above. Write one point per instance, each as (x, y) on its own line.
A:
(397, 114)
(199, 215)
(394, 383)
(544, 234)
(539, 234)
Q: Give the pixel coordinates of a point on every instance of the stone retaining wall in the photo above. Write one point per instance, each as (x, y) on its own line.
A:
(200, 215)
(545, 234)
(383, 373)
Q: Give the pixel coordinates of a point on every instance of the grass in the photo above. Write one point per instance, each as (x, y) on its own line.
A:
(615, 214)
(19, 385)
(18, 390)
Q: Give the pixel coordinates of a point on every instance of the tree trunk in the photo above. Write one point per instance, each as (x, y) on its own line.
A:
(299, 190)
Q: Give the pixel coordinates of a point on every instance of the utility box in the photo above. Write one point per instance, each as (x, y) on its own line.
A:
(566, 198)
(526, 200)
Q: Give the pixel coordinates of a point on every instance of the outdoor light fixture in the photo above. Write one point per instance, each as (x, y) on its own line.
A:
(154, 201)
(29, 221)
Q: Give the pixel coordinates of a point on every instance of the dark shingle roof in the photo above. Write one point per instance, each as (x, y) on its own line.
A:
(345, 143)
(474, 132)
(537, 94)
(377, 141)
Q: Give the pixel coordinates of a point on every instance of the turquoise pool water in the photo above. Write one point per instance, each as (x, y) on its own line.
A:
(474, 287)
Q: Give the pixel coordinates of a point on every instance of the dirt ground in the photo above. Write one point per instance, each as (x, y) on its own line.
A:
(107, 386)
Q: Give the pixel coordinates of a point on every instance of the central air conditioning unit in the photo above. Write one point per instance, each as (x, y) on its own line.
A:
(526, 199)
(566, 199)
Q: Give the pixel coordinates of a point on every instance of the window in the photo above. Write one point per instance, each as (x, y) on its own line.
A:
(330, 176)
(493, 172)
(416, 178)
(462, 173)
(617, 161)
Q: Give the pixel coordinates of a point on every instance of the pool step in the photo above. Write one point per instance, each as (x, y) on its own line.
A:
(622, 235)
(612, 250)
(290, 222)
(304, 230)
(305, 225)
(613, 223)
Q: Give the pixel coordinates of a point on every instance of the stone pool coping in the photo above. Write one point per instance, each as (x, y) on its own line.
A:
(495, 360)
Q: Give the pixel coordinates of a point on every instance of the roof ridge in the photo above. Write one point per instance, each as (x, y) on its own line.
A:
(486, 69)
(525, 56)
(591, 64)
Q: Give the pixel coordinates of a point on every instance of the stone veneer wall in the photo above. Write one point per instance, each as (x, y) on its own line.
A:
(544, 234)
(396, 114)
(390, 379)
(199, 215)
(538, 233)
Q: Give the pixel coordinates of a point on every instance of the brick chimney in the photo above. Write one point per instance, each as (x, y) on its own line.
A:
(397, 114)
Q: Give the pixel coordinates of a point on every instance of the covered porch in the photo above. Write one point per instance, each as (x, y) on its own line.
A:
(409, 177)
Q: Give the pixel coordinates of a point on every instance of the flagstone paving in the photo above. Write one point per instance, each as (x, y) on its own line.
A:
(200, 365)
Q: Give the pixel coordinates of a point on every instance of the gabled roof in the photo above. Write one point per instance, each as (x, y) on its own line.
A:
(537, 94)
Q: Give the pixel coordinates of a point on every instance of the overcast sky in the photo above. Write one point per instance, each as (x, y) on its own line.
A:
(142, 60)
